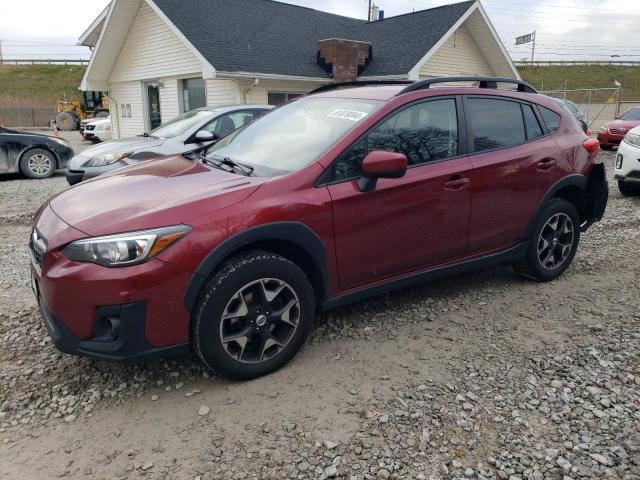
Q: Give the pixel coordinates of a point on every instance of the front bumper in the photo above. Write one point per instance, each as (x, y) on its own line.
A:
(77, 175)
(610, 138)
(120, 335)
(107, 313)
(627, 166)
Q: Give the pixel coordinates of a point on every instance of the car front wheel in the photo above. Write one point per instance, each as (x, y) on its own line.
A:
(253, 316)
(37, 163)
(554, 241)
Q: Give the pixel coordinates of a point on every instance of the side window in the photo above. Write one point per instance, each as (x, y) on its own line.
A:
(531, 122)
(225, 124)
(551, 119)
(424, 132)
(495, 123)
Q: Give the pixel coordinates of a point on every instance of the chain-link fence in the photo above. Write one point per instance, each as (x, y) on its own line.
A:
(26, 117)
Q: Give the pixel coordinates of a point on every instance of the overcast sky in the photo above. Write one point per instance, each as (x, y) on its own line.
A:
(566, 29)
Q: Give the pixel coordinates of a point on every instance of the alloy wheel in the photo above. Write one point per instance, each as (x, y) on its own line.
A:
(260, 320)
(555, 241)
(39, 164)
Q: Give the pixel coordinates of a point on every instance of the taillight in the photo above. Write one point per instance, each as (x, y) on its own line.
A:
(592, 146)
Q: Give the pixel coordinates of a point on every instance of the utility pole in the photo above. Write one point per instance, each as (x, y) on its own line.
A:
(369, 13)
(533, 47)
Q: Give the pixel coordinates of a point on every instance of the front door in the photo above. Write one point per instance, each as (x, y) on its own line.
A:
(153, 106)
(408, 223)
(4, 153)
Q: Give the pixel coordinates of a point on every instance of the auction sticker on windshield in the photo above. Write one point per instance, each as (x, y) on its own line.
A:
(352, 115)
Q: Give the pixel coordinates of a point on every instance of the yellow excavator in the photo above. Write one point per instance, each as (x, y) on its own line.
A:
(92, 105)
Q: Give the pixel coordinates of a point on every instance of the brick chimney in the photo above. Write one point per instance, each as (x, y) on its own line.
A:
(343, 59)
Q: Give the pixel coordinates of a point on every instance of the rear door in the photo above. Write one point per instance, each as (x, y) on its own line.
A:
(514, 163)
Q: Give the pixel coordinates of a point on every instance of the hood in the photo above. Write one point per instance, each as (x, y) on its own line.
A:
(130, 144)
(625, 124)
(158, 193)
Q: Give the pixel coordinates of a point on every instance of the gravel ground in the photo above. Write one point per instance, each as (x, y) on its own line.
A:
(483, 375)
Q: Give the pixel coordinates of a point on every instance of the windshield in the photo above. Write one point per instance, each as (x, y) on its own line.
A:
(181, 123)
(633, 114)
(292, 136)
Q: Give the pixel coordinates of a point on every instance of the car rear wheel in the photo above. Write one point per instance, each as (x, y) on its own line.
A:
(37, 163)
(253, 316)
(627, 189)
(554, 241)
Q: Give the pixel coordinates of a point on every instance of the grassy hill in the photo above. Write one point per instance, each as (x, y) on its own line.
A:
(38, 85)
(42, 85)
(585, 76)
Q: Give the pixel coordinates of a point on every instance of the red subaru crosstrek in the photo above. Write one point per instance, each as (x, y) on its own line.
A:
(337, 196)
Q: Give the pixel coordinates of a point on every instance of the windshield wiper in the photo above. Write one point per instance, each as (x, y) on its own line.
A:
(226, 161)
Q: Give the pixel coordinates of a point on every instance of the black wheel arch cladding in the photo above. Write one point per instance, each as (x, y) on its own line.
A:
(292, 233)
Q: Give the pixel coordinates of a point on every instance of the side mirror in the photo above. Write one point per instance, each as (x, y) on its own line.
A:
(617, 117)
(204, 136)
(381, 164)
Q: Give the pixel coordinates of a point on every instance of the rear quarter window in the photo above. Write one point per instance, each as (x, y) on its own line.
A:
(551, 119)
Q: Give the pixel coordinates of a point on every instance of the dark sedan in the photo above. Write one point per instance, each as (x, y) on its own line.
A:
(32, 154)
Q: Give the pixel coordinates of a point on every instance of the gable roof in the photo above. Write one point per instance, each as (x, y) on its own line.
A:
(270, 37)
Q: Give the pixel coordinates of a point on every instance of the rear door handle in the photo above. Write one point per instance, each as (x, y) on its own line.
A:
(456, 184)
(546, 164)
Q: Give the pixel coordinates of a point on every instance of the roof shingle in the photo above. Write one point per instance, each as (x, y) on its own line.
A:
(270, 37)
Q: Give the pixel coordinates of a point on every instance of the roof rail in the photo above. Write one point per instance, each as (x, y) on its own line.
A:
(358, 83)
(485, 82)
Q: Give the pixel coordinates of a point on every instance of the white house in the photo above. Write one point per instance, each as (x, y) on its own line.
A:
(159, 58)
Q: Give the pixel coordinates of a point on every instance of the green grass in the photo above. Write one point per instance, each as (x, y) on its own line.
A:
(38, 85)
(585, 76)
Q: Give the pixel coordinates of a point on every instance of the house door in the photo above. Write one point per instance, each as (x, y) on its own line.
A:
(154, 118)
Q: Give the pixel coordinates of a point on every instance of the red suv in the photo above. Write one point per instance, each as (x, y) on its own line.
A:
(337, 196)
(611, 134)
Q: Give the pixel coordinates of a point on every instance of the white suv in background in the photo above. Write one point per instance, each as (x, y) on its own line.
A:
(627, 168)
(98, 130)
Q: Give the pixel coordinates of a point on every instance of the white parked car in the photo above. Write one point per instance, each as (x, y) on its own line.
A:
(627, 169)
(98, 130)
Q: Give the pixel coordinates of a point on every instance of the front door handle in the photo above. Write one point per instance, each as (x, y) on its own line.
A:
(546, 164)
(457, 183)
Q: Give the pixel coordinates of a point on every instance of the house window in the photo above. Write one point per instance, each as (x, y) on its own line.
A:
(278, 98)
(193, 94)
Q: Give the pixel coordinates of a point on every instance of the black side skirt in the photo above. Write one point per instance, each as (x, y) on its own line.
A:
(512, 254)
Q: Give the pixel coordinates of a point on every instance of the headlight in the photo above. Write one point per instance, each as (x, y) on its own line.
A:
(108, 159)
(125, 249)
(632, 139)
(103, 128)
(604, 130)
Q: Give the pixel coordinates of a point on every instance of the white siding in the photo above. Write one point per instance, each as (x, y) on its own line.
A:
(459, 55)
(486, 42)
(169, 99)
(123, 93)
(222, 92)
(258, 94)
(152, 51)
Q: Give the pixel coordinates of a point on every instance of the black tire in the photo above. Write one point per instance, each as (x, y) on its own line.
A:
(235, 280)
(37, 163)
(67, 121)
(627, 189)
(606, 147)
(534, 265)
